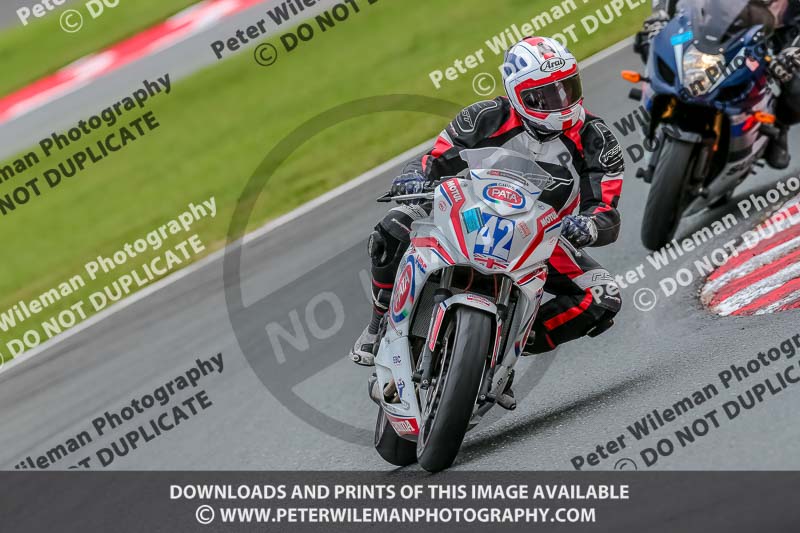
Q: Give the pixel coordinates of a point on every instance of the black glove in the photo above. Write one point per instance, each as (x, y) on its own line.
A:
(655, 23)
(650, 29)
(785, 65)
(409, 183)
(579, 230)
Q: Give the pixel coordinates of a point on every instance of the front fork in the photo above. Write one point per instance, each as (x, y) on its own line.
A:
(425, 366)
(503, 296)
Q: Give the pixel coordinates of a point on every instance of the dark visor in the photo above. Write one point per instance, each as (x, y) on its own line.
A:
(555, 96)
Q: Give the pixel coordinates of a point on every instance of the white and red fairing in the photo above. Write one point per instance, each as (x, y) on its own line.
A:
(494, 223)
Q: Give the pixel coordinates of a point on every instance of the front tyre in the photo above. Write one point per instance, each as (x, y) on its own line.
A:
(668, 194)
(450, 400)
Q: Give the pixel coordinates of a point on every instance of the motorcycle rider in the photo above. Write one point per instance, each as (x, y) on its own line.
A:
(542, 115)
(783, 16)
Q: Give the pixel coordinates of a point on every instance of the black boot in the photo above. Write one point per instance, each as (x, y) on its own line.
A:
(777, 154)
(365, 349)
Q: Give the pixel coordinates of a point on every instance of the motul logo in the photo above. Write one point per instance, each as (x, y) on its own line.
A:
(453, 188)
(404, 426)
(505, 195)
(549, 218)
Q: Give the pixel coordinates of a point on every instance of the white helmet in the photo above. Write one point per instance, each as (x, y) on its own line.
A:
(543, 84)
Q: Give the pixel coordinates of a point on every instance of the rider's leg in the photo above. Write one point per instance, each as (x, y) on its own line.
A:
(387, 245)
(788, 113)
(585, 303)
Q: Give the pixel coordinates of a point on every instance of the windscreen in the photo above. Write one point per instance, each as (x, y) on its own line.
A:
(509, 161)
(714, 22)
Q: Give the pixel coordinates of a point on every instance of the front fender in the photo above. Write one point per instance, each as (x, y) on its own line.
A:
(476, 301)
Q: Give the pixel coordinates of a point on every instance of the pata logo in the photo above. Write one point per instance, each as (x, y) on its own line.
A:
(403, 289)
(506, 195)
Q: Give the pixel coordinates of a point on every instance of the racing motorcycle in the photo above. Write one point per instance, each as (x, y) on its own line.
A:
(465, 298)
(709, 102)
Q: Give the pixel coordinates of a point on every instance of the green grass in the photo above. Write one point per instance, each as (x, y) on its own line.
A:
(41, 47)
(218, 125)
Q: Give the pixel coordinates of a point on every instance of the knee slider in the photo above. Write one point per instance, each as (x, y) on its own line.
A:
(604, 309)
(393, 234)
(389, 242)
(377, 247)
(606, 299)
(386, 253)
(397, 222)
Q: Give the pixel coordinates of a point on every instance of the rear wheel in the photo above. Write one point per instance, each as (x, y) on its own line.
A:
(390, 446)
(450, 400)
(668, 194)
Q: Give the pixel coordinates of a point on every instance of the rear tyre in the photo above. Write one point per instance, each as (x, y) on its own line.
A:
(390, 446)
(668, 193)
(460, 365)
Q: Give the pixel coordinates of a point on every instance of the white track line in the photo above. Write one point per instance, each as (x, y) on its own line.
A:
(258, 233)
(772, 308)
(762, 260)
(751, 265)
(765, 286)
(194, 267)
(608, 52)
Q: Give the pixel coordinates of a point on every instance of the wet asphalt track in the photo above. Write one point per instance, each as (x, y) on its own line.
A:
(583, 395)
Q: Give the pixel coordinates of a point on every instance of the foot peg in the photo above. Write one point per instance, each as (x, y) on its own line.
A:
(507, 401)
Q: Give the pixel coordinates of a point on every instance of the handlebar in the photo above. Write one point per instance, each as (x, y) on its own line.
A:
(429, 189)
(386, 198)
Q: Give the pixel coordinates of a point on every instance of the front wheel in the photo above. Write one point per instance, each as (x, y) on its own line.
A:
(451, 398)
(668, 194)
